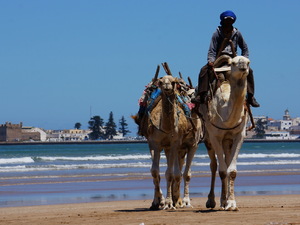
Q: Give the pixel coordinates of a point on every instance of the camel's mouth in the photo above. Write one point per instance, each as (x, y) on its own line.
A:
(168, 91)
(243, 70)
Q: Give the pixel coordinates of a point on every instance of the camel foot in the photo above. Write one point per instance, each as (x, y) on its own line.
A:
(168, 204)
(231, 206)
(210, 204)
(232, 209)
(179, 203)
(169, 207)
(154, 207)
(186, 202)
(158, 203)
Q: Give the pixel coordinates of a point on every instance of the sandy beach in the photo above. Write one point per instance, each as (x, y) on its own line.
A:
(111, 185)
(269, 209)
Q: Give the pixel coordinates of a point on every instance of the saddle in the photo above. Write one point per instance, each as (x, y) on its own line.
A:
(219, 73)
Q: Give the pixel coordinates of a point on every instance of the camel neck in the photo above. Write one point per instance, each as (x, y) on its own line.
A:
(168, 113)
(236, 103)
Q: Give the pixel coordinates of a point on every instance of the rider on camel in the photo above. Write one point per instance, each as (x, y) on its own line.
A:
(220, 44)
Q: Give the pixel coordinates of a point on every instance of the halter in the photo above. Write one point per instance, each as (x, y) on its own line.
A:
(228, 128)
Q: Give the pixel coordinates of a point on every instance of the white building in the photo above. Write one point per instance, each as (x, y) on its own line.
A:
(67, 135)
(283, 124)
(280, 135)
(43, 134)
(296, 121)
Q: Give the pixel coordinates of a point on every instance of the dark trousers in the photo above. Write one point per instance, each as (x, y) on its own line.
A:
(206, 76)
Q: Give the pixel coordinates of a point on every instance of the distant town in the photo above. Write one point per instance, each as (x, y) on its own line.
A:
(266, 129)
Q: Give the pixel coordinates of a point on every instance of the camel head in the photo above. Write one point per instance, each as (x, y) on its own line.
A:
(168, 84)
(239, 68)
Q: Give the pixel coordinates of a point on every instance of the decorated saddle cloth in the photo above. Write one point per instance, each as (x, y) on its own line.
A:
(183, 97)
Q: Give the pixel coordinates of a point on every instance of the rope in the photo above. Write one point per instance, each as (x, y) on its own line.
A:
(228, 128)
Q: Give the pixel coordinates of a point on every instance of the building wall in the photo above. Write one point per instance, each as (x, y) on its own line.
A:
(11, 132)
(31, 136)
(285, 124)
(2, 133)
(42, 133)
(15, 132)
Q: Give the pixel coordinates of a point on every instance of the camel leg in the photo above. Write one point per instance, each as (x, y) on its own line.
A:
(211, 203)
(173, 177)
(217, 146)
(224, 180)
(169, 180)
(176, 182)
(181, 156)
(187, 176)
(232, 172)
(222, 171)
(178, 164)
(158, 199)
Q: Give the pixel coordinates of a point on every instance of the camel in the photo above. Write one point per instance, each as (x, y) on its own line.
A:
(166, 127)
(225, 119)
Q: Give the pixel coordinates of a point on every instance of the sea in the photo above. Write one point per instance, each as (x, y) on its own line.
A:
(78, 173)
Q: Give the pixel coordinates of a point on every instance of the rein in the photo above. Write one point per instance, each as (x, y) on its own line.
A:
(229, 128)
(225, 128)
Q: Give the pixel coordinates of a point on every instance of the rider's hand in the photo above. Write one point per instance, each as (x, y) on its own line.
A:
(211, 64)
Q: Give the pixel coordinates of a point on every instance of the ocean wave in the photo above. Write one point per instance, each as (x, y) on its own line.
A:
(26, 168)
(92, 158)
(101, 158)
(257, 155)
(41, 167)
(20, 160)
(263, 155)
(278, 162)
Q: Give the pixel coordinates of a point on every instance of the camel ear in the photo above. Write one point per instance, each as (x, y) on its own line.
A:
(159, 82)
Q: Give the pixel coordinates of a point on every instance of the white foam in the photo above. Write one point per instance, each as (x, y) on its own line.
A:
(16, 160)
(262, 155)
(279, 162)
(95, 158)
(24, 168)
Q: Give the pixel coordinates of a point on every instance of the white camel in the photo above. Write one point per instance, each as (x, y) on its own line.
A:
(225, 121)
(167, 128)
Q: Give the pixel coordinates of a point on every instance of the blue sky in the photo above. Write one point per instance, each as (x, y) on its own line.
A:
(64, 60)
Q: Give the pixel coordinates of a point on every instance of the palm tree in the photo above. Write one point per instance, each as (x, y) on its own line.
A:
(77, 125)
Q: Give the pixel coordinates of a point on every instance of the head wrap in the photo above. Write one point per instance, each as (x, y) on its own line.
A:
(226, 14)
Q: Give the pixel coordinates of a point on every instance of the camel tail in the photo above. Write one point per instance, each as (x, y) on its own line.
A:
(135, 118)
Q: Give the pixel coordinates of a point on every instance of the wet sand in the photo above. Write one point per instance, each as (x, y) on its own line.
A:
(98, 189)
(272, 209)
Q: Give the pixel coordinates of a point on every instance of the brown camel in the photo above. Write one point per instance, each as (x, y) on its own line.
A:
(168, 128)
(225, 121)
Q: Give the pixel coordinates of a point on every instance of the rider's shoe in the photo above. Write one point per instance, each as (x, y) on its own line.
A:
(252, 101)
